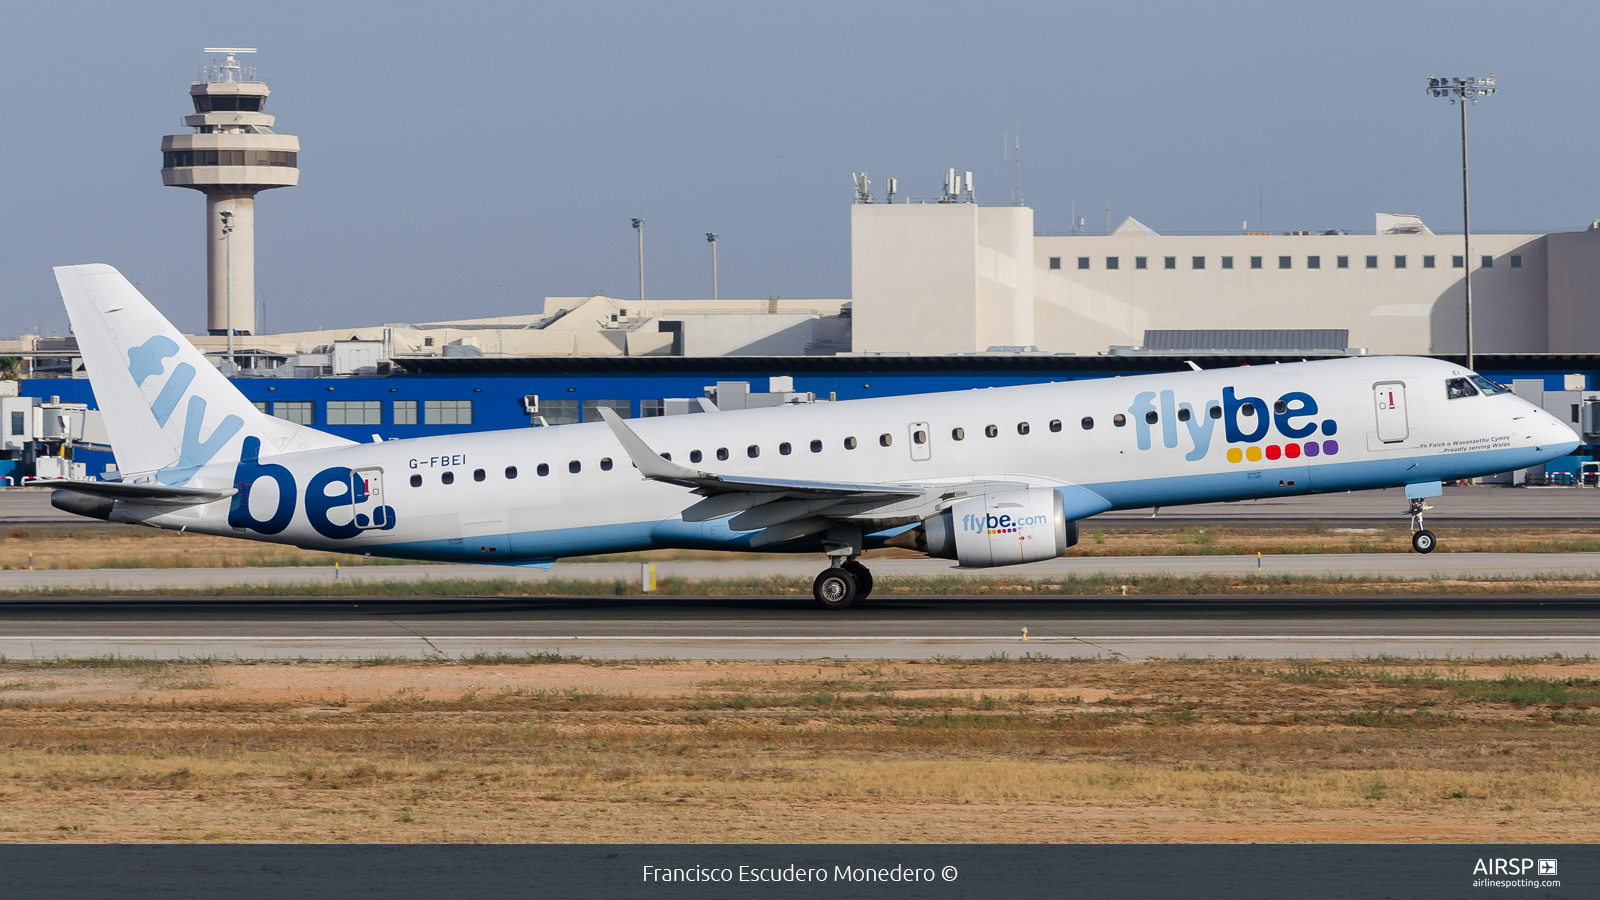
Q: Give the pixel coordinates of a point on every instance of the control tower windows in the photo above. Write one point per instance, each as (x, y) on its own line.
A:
(172, 159)
(204, 103)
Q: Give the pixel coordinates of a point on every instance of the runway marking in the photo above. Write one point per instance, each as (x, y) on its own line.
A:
(1042, 639)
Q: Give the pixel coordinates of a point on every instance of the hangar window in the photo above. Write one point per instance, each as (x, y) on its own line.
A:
(1141, 262)
(1227, 262)
(605, 463)
(260, 405)
(958, 434)
(1255, 262)
(1458, 262)
(1088, 422)
(885, 440)
(1083, 262)
(1372, 262)
(1151, 418)
(1516, 262)
(991, 431)
(448, 478)
(1183, 414)
(574, 467)
(478, 475)
(405, 412)
(1216, 412)
(591, 409)
(1055, 262)
(1456, 388)
(849, 443)
(752, 451)
(1428, 262)
(447, 412)
(1285, 262)
(543, 470)
(1197, 262)
(1113, 262)
(1399, 262)
(296, 411)
(694, 456)
(1313, 262)
(1022, 428)
(722, 453)
(416, 481)
(1055, 424)
(1169, 262)
(816, 446)
(511, 472)
(1119, 420)
(1342, 262)
(1488, 262)
(355, 412)
(784, 449)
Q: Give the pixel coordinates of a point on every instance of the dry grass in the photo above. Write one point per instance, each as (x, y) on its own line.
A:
(132, 547)
(558, 750)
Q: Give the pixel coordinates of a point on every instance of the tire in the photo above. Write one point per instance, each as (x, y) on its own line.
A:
(863, 578)
(1424, 541)
(835, 588)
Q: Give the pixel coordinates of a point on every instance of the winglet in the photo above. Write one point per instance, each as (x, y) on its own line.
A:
(649, 462)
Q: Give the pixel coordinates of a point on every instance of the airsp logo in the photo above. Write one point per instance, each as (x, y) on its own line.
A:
(1513, 866)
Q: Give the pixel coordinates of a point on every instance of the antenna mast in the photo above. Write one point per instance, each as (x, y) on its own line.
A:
(1013, 155)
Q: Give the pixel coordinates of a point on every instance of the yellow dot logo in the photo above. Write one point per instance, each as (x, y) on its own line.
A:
(1235, 454)
(1253, 454)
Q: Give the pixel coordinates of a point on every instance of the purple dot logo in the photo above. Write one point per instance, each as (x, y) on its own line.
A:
(1312, 448)
(1330, 448)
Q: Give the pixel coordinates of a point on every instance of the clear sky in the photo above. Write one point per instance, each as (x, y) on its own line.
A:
(468, 159)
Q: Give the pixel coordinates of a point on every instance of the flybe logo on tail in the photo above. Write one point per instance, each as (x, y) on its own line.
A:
(1245, 420)
(199, 445)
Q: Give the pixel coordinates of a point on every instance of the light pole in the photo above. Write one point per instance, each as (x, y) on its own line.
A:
(711, 238)
(638, 226)
(227, 239)
(1461, 91)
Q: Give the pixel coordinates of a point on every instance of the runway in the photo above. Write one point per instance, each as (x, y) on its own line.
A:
(789, 628)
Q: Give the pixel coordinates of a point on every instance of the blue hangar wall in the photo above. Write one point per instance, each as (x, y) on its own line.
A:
(495, 386)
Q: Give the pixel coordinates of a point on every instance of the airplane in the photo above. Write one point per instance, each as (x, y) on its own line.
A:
(987, 477)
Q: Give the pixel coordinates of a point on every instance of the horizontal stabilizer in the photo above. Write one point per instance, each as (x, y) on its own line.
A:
(160, 494)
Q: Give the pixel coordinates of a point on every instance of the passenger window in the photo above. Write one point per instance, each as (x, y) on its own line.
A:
(990, 431)
(1280, 407)
(849, 443)
(1151, 417)
(919, 437)
(816, 446)
(574, 467)
(885, 440)
(1119, 420)
(1055, 424)
(1183, 415)
(543, 470)
(1215, 412)
(448, 478)
(1088, 423)
(694, 456)
(752, 451)
(605, 464)
(958, 434)
(478, 475)
(1022, 428)
(1456, 388)
(511, 471)
(784, 449)
(1249, 409)
(416, 481)
(722, 453)
(667, 457)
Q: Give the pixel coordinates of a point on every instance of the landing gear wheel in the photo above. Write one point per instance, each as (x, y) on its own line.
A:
(1423, 541)
(835, 588)
(863, 578)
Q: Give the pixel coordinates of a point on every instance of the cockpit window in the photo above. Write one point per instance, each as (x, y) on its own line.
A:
(1488, 387)
(1456, 388)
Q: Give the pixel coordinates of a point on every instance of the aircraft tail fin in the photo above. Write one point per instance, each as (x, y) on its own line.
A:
(167, 409)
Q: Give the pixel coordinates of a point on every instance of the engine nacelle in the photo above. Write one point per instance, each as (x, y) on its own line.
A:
(1002, 529)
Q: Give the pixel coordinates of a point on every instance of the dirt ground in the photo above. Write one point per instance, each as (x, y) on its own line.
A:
(98, 546)
(554, 750)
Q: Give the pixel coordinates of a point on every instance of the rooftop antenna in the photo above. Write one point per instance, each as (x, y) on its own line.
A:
(1013, 155)
(229, 71)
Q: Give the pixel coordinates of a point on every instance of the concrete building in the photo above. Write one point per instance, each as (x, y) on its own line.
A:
(231, 155)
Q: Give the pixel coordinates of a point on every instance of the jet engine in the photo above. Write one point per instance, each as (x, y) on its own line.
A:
(1000, 529)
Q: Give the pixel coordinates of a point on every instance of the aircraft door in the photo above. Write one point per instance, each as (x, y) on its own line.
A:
(367, 505)
(921, 441)
(1389, 400)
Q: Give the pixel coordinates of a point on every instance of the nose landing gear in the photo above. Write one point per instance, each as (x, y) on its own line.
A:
(843, 584)
(1422, 540)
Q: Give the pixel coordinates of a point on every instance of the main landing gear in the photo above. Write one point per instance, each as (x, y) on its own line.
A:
(1422, 540)
(842, 584)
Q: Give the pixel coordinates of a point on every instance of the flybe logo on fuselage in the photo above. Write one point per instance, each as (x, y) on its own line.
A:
(1245, 420)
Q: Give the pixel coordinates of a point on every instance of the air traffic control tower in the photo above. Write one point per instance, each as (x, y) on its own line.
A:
(232, 155)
